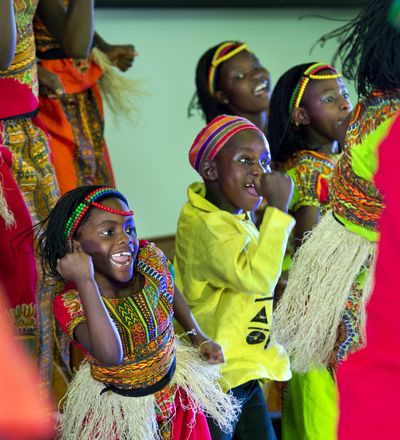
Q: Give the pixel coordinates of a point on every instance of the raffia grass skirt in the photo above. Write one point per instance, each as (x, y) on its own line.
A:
(88, 415)
(324, 270)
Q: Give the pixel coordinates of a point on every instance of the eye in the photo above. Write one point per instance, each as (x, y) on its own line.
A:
(245, 161)
(346, 94)
(107, 232)
(329, 99)
(239, 75)
(265, 163)
(130, 230)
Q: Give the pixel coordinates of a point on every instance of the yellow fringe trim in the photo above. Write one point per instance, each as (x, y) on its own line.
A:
(324, 269)
(89, 415)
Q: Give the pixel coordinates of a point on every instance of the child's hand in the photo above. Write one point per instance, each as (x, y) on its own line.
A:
(76, 266)
(211, 351)
(277, 188)
(50, 83)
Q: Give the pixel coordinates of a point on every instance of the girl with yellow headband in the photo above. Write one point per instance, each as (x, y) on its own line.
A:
(231, 80)
(309, 108)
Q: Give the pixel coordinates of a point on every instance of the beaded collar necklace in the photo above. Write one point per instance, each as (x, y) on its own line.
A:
(90, 201)
(310, 73)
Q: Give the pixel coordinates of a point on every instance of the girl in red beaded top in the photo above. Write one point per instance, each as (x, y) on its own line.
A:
(140, 382)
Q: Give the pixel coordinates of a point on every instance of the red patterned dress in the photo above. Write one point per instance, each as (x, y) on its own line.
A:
(28, 162)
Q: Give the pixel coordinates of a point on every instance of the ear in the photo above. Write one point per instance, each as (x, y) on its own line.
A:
(300, 116)
(75, 245)
(209, 170)
(221, 97)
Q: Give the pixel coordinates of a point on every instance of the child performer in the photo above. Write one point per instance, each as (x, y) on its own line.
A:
(322, 313)
(228, 269)
(139, 381)
(231, 80)
(309, 106)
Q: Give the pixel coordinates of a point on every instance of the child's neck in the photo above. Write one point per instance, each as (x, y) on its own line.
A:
(329, 148)
(260, 120)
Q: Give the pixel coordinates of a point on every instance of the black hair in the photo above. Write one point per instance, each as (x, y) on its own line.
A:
(369, 49)
(202, 99)
(283, 137)
(53, 243)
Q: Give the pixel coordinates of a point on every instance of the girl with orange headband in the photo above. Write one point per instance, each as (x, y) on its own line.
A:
(308, 113)
(231, 80)
(321, 316)
(139, 381)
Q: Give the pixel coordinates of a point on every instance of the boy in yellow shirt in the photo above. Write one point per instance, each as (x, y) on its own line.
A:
(228, 269)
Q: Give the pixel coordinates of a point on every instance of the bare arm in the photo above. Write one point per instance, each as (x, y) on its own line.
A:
(72, 28)
(120, 55)
(8, 33)
(98, 334)
(211, 350)
(306, 218)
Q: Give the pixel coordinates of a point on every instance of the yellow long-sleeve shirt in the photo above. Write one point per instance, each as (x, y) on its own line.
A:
(227, 271)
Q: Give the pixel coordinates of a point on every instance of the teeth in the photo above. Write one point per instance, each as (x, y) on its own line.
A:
(260, 87)
(249, 185)
(122, 254)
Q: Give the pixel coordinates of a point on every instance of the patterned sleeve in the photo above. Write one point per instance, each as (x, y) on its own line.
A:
(68, 311)
(310, 187)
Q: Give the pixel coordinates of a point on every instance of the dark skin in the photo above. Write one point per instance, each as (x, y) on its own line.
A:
(121, 56)
(73, 28)
(244, 86)
(101, 263)
(240, 176)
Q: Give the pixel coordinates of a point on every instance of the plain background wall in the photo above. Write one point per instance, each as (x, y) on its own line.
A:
(150, 154)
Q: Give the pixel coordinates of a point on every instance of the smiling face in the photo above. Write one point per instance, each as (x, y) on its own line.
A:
(244, 84)
(326, 104)
(110, 239)
(238, 170)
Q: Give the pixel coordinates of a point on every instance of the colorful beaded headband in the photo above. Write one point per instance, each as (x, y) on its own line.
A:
(224, 52)
(89, 202)
(214, 136)
(310, 73)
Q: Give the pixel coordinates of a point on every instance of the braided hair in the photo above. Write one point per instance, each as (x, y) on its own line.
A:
(368, 49)
(202, 99)
(283, 137)
(53, 242)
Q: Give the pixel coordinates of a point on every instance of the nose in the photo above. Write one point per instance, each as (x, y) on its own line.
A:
(345, 104)
(257, 169)
(124, 237)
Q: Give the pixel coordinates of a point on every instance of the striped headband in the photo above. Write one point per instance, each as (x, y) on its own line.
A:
(214, 136)
(224, 52)
(90, 201)
(310, 73)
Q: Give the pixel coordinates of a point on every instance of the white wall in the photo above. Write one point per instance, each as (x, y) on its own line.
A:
(150, 156)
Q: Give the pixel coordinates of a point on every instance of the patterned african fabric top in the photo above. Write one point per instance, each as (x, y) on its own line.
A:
(143, 320)
(356, 202)
(311, 172)
(76, 75)
(19, 84)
